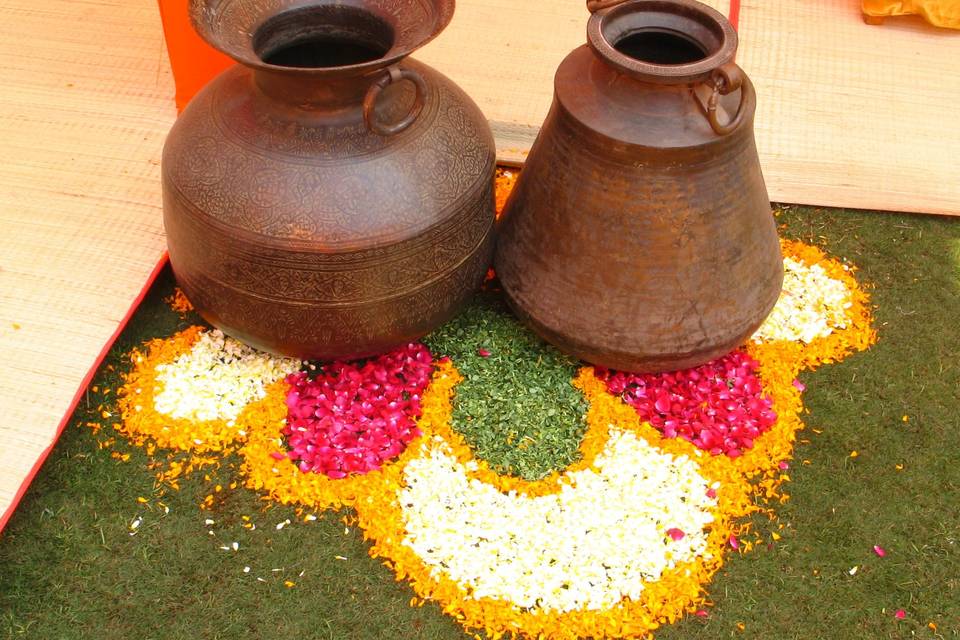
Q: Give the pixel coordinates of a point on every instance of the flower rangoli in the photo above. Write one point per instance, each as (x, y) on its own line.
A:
(619, 542)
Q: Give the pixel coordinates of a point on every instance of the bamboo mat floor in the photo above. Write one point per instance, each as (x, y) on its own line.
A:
(87, 99)
(849, 115)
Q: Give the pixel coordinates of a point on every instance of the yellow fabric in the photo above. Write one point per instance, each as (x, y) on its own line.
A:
(942, 13)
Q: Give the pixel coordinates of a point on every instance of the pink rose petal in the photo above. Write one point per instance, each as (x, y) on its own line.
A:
(734, 543)
(663, 403)
(900, 614)
(483, 353)
(800, 386)
(675, 534)
(880, 551)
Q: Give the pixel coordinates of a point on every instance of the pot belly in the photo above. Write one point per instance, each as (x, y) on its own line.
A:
(313, 237)
(313, 304)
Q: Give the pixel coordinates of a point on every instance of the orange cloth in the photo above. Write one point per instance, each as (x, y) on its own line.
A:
(194, 62)
(942, 13)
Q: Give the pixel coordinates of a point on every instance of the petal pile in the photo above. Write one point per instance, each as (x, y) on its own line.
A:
(199, 391)
(606, 532)
(811, 305)
(719, 406)
(547, 558)
(352, 418)
(217, 378)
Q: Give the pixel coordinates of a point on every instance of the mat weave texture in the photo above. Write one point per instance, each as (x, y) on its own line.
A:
(86, 102)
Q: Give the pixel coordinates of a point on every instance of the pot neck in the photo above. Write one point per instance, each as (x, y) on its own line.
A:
(307, 90)
(666, 42)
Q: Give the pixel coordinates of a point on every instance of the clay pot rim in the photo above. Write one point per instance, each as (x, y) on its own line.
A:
(204, 16)
(686, 73)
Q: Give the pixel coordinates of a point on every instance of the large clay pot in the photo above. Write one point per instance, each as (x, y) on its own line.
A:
(639, 235)
(328, 197)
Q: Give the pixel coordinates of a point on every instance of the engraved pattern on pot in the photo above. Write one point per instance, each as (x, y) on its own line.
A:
(407, 17)
(448, 162)
(268, 131)
(283, 274)
(335, 329)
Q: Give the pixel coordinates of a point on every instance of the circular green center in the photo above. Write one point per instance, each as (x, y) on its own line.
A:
(516, 407)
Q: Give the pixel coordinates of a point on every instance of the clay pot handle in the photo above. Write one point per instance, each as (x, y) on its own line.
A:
(394, 74)
(599, 5)
(726, 79)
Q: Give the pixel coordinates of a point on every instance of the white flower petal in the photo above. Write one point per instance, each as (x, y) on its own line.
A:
(588, 546)
(811, 305)
(217, 379)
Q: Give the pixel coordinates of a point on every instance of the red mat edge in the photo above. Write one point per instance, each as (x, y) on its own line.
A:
(82, 389)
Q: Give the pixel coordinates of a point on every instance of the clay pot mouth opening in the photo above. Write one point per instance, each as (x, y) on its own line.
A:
(664, 41)
(322, 37)
(660, 46)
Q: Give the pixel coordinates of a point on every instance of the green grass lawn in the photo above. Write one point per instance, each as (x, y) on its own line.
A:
(69, 567)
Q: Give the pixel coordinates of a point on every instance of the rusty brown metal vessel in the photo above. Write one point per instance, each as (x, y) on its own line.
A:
(639, 234)
(328, 197)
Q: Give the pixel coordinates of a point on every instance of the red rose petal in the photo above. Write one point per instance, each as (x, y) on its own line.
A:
(353, 417)
(719, 406)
